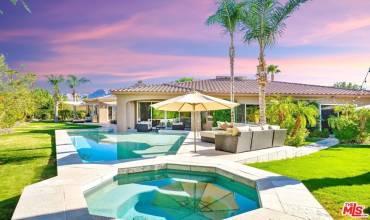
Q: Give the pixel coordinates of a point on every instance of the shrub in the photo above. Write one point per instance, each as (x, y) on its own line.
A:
(346, 130)
(316, 133)
(43, 114)
(297, 139)
(44, 103)
(81, 114)
(221, 115)
(351, 126)
(65, 114)
(295, 116)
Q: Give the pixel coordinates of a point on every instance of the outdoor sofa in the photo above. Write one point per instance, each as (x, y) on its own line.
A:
(143, 126)
(250, 139)
(178, 126)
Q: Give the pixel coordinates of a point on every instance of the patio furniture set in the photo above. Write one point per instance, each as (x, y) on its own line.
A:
(146, 126)
(246, 138)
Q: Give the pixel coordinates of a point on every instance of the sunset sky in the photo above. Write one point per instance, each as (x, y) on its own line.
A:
(117, 42)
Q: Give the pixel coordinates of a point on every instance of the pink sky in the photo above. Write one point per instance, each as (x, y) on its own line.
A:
(118, 43)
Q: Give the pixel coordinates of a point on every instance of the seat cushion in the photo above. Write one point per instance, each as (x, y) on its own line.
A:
(208, 134)
(274, 127)
(243, 128)
(256, 128)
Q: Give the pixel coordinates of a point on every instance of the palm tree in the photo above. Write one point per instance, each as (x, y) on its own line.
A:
(74, 82)
(14, 2)
(228, 15)
(304, 113)
(55, 81)
(272, 70)
(280, 111)
(264, 22)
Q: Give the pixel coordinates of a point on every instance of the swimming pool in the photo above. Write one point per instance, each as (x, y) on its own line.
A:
(171, 194)
(98, 146)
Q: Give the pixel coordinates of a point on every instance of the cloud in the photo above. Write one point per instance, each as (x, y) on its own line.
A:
(123, 65)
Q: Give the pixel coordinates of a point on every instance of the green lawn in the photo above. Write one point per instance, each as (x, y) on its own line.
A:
(26, 156)
(334, 176)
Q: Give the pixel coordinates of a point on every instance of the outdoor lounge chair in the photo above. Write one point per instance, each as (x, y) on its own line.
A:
(209, 136)
(261, 138)
(143, 126)
(233, 144)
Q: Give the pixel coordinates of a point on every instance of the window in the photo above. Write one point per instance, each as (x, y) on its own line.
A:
(246, 113)
(240, 114)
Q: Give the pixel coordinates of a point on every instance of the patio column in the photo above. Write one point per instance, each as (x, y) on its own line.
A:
(103, 114)
(130, 116)
(121, 114)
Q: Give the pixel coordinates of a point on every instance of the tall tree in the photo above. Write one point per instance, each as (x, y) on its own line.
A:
(55, 81)
(347, 85)
(272, 70)
(16, 103)
(228, 15)
(14, 2)
(185, 79)
(74, 82)
(263, 22)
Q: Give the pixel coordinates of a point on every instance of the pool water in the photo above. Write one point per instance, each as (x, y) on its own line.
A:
(96, 145)
(171, 194)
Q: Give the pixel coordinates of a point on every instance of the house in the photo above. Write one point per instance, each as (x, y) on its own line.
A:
(133, 103)
(101, 109)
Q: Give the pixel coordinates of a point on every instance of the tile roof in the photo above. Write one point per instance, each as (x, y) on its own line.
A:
(242, 87)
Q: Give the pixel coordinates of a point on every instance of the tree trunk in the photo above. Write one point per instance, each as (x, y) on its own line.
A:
(56, 113)
(74, 106)
(297, 126)
(272, 77)
(262, 81)
(232, 57)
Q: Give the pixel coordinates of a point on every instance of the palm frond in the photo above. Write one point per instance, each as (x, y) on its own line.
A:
(282, 12)
(228, 15)
(263, 20)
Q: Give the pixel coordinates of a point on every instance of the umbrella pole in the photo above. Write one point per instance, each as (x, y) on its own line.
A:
(195, 130)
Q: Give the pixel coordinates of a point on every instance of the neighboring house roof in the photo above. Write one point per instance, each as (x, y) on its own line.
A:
(108, 99)
(242, 87)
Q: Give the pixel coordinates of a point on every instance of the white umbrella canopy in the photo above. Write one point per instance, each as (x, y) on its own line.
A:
(194, 102)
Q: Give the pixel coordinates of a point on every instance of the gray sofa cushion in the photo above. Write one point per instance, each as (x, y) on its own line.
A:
(262, 139)
(279, 137)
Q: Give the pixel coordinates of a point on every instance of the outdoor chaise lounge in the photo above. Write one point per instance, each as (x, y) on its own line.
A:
(209, 136)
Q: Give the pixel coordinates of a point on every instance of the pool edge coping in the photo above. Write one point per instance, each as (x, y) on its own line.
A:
(271, 188)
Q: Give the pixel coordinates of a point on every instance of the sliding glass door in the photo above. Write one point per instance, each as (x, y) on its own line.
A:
(157, 118)
(246, 113)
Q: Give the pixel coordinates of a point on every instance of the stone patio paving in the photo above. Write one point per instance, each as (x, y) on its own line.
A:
(62, 197)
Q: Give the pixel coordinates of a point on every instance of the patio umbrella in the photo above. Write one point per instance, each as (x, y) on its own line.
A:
(194, 102)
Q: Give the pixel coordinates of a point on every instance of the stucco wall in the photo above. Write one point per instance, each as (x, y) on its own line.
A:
(103, 114)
